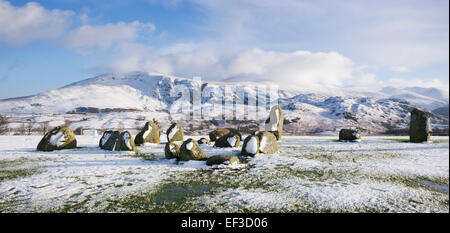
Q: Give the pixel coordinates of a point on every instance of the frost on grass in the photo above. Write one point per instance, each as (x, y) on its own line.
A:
(310, 174)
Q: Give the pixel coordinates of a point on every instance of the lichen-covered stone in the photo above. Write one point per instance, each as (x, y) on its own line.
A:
(59, 138)
(204, 141)
(349, 135)
(150, 134)
(420, 126)
(250, 146)
(125, 142)
(267, 142)
(190, 150)
(229, 140)
(172, 150)
(175, 133)
(274, 122)
(218, 133)
(222, 159)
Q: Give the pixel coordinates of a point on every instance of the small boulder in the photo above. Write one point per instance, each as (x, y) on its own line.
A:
(175, 133)
(150, 133)
(229, 140)
(59, 138)
(251, 146)
(222, 159)
(274, 122)
(172, 150)
(190, 150)
(267, 142)
(351, 135)
(109, 140)
(204, 141)
(218, 133)
(420, 126)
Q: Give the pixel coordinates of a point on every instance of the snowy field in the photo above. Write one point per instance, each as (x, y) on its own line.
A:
(310, 174)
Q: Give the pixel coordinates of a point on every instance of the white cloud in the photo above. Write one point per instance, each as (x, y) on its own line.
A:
(301, 69)
(105, 35)
(401, 69)
(19, 25)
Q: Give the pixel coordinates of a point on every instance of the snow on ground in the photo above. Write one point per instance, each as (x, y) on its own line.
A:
(310, 174)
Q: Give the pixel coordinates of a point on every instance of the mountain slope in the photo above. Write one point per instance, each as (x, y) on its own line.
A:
(304, 112)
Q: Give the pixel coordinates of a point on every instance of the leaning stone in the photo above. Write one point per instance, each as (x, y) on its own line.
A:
(274, 122)
(59, 138)
(267, 142)
(172, 150)
(251, 146)
(175, 133)
(420, 126)
(222, 159)
(150, 134)
(218, 133)
(229, 140)
(204, 141)
(349, 135)
(190, 150)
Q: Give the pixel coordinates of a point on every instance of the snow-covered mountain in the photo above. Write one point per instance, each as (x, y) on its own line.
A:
(108, 96)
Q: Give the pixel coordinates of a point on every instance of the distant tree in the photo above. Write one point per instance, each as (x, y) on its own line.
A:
(28, 128)
(44, 127)
(3, 124)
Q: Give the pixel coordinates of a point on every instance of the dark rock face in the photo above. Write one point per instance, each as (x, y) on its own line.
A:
(190, 150)
(175, 133)
(222, 159)
(420, 126)
(274, 122)
(172, 150)
(229, 140)
(349, 135)
(59, 138)
(218, 133)
(251, 146)
(116, 141)
(109, 140)
(204, 141)
(150, 133)
(267, 142)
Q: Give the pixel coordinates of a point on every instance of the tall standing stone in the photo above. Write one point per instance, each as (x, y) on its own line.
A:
(420, 126)
(274, 122)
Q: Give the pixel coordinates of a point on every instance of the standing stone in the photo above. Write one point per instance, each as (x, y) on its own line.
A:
(190, 150)
(150, 134)
(267, 142)
(229, 140)
(109, 140)
(218, 133)
(420, 126)
(274, 122)
(172, 150)
(59, 138)
(125, 142)
(204, 141)
(251, 146)
(175, 133)
(349, 135)
(222, 159)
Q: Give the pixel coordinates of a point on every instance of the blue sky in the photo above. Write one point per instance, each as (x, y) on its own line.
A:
(309, 44)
